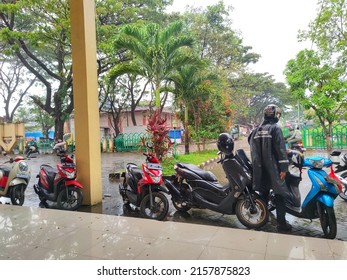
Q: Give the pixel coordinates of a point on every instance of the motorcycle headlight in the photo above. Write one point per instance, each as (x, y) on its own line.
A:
(317, 163)
(70, 175)
(23, 166)
(156, 178)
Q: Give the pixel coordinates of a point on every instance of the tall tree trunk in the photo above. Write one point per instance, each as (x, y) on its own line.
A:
(132, 114)
(186, 131)
(59, 128)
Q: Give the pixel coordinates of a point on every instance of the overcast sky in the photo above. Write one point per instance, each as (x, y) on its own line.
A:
(270, 27)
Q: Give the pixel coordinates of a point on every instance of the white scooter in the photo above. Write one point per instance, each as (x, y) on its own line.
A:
(14, 180)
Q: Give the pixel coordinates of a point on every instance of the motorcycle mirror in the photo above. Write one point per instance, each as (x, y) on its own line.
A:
(149, 145)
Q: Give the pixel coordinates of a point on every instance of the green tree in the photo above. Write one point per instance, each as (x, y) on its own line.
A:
(218, 42)
(157, 53)
(318, 85)
(259, 90)
(328, 30)
(38, 33)
(34, 115)
(15, 85)
(190, 83)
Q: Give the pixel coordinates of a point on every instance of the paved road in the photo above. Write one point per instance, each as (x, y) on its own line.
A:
(112, 203)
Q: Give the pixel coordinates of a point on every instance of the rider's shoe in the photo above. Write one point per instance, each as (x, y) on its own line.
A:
(284, 227)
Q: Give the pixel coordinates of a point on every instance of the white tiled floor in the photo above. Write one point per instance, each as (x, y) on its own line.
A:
(38, 234)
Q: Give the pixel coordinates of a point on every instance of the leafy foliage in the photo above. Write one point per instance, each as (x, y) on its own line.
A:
(159, 132)
(318, 86)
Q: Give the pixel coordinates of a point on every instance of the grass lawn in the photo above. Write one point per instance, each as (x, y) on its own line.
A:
(196, 158)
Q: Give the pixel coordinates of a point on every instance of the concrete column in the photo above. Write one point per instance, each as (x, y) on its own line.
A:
(85, 90)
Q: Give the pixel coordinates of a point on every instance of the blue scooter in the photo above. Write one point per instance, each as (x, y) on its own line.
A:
(319, 202)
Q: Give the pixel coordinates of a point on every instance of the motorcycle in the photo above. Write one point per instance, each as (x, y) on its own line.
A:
(341, 170)
(31, 148)
(142, 189)
(59, 185)
(192, 187)
(298, 146)
(14, 180)
(319, 202)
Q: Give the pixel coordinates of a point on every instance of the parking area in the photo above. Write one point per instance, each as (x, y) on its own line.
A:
(112, 203)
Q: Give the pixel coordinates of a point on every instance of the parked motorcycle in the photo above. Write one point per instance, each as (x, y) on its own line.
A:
(298, 146)
(341, 170)
(14, 180)
(192, 187)
(319, 202)
(141, 188)
(31, 148)
(60, 185)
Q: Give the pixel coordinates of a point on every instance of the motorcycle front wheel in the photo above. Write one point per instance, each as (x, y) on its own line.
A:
(327, 220)
(17, 194)
(252, 215)
(159, 208)
(70, 198)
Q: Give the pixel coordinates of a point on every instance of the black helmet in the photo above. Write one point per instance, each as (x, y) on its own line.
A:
(225, 143)
(272, 112)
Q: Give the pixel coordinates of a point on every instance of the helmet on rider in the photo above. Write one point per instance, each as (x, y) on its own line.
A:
(225, 143)
(272, 112)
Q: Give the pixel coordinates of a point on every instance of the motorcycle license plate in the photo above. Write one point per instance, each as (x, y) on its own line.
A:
(154, 166)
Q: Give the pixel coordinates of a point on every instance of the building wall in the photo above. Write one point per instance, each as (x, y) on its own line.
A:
(125, 125)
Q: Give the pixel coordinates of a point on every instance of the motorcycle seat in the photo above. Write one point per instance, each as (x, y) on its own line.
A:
(6, 170)
(136, 171)
(206, 175)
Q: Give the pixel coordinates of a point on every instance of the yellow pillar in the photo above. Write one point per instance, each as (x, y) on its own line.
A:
(86, 114)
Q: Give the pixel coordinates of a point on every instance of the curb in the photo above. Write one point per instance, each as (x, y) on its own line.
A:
(204, 164)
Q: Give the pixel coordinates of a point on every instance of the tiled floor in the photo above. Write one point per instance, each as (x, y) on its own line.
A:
(38, 234)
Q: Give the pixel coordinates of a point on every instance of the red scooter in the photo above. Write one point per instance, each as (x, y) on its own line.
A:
(141, 188)
(60, 185)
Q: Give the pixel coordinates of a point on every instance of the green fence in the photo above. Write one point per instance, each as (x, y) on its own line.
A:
(45, 146)
(129, 141)
(314, 138)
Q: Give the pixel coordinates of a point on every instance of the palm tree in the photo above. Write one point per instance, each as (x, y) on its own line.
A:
(156, 53)
(192, 82)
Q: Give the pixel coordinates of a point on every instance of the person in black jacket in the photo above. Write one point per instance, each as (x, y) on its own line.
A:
(270, 162)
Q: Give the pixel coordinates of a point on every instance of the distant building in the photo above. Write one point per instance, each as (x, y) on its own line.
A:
(125, 124)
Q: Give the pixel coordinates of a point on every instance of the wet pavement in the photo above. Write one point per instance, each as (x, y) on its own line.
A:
(112, 203)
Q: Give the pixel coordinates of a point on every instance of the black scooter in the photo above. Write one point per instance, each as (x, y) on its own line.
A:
(192, 187)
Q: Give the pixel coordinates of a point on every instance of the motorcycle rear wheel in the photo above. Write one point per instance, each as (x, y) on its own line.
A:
(70, 198)
(17, 195)
(159, 209)
(252, 216)
(327, 220)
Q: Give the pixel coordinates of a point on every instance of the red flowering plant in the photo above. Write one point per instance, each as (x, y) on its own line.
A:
(159, 135)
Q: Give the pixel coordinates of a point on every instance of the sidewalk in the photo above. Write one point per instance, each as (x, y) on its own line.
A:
(29, 233)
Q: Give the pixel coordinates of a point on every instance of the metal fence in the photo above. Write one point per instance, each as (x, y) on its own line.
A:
(314, 138)
(129, 141)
